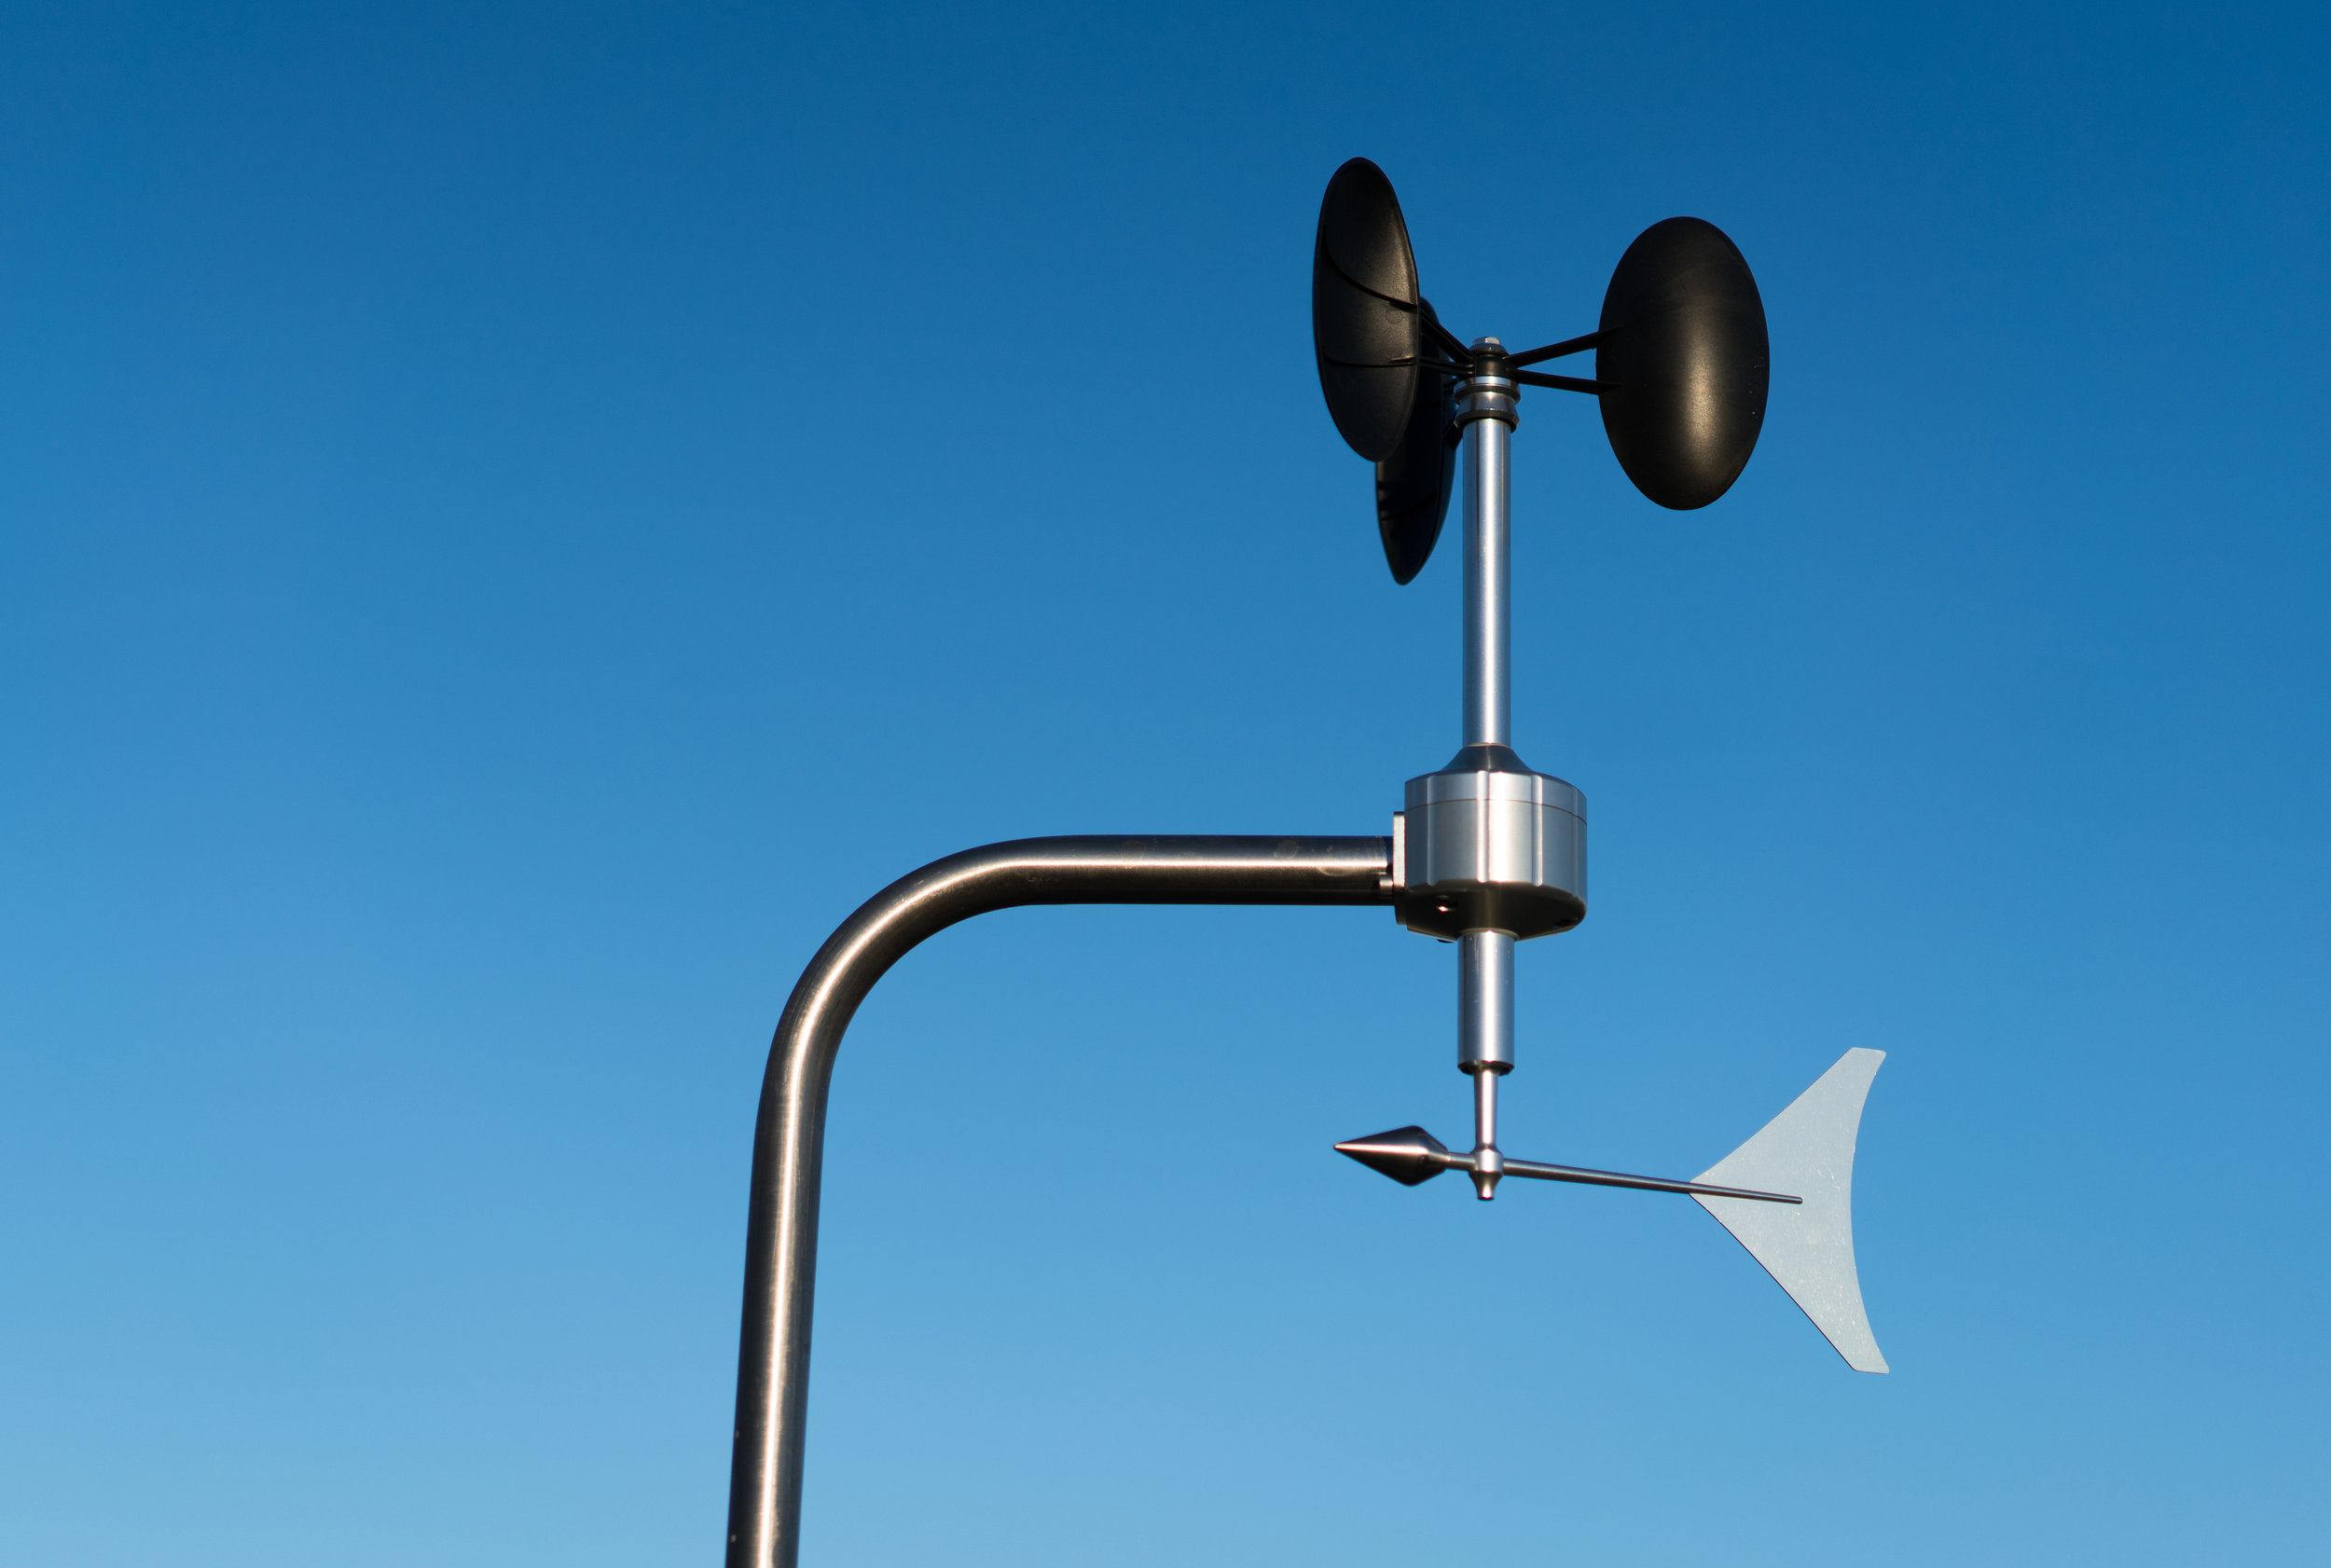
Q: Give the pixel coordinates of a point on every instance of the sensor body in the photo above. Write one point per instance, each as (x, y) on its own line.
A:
(1486, 845)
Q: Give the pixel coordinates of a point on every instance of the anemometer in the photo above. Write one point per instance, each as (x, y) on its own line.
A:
(1484, 853)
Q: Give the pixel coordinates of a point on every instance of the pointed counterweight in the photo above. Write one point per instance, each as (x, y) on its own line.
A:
(1808, 1248)
(1408, 1155)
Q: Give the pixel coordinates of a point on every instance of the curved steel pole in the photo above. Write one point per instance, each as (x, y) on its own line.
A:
(788, 1140)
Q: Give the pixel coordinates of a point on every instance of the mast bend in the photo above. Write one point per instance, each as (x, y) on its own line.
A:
(789, 1136)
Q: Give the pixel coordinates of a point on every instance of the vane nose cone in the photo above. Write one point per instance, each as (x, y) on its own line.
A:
(1408, 1155)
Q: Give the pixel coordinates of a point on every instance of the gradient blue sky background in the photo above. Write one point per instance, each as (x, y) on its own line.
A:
(513, 520)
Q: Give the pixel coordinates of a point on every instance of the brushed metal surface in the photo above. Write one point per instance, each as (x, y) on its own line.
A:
(1487, 845)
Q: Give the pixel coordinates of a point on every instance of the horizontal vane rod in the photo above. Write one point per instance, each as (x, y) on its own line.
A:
(1410, 1155)
(1536, 1172)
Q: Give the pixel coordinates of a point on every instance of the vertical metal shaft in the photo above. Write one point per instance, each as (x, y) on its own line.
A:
(1485, 957)
(1485, 1110)
(1489, 416)
(1485, 999)
(1489, 1165)
(1486, 1039)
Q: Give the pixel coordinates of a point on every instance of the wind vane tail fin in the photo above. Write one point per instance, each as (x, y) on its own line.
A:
(1808, 1248)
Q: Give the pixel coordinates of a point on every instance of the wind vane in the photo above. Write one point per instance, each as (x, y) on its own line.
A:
(1485, 852)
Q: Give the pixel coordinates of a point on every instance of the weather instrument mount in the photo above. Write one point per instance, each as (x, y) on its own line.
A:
(1484, 852)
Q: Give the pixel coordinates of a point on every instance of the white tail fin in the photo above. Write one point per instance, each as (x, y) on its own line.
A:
(1808, 1247)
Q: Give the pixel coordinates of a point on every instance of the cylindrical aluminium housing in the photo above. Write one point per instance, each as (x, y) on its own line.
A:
(1485, 844)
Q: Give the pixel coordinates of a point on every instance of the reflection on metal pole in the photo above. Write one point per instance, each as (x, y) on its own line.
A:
(788, 1143)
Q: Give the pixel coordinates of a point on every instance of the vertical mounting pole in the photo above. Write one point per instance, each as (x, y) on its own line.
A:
(1485, 957)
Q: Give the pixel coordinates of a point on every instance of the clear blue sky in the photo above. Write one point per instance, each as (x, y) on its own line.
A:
(513, 520)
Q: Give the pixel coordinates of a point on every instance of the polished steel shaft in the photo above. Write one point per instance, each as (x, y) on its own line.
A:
(788, 1143)
(1486, 957)
(1485, 1002)
(1485, 1040)
(1487, 411)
